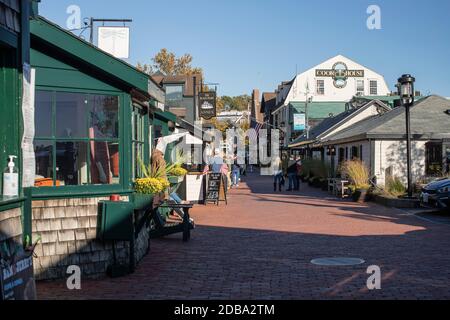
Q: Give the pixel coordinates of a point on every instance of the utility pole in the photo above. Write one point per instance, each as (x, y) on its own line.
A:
(195, 99)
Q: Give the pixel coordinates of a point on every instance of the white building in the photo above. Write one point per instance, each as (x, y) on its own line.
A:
(380, 141)
(328, 87)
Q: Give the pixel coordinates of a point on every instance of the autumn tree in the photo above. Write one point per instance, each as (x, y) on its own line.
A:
(169, 64)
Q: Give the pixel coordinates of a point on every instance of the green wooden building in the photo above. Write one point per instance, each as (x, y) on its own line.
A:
(14, 57)
(95, 115)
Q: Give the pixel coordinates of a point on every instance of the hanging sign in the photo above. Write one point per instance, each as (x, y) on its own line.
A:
(115, 41)
(207, 105)
(299, 122)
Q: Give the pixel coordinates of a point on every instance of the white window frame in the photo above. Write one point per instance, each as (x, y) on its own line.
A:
(370, 87)
(363, 86)
(318, 87)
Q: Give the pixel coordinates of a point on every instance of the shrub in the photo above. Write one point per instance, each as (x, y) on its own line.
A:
(357, 172)
(177, 172)
(395, 187)
(151, 185)
(316, 168)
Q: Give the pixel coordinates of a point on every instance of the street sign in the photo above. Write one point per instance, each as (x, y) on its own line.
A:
(207, 104)
(299, 122)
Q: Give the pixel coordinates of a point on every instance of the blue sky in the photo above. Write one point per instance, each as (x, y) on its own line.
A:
(246, 44)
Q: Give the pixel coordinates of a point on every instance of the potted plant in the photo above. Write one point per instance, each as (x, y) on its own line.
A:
(358, 173)
(151, 187)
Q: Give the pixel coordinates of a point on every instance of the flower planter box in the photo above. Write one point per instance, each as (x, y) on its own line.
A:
(142, 201)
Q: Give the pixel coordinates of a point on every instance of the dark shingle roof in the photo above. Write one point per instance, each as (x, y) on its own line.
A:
(429, 120)
(330, 123)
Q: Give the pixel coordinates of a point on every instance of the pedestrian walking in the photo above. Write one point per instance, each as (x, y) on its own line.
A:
(277, 171)
(236, 175)
(292, 176)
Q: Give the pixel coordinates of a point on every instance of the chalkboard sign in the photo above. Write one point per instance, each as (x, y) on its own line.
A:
(216, 189)
(16, 279)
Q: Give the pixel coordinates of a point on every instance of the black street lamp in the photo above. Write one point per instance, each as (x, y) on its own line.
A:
(406, 91)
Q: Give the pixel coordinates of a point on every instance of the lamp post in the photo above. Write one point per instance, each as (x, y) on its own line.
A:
(406, 91)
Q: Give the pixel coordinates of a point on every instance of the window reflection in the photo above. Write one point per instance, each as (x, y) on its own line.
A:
(71, 115)
(43, 114)
(71, 163)
(44, 163)
(104, 116)
(104, 162)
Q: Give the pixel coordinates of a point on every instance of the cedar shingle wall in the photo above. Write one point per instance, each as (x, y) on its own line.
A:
(68, 229)
(10, 15)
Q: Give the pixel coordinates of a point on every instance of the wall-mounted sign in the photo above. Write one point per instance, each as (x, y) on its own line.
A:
(115, 41)
(340, 74)
(299, 121)
(17, 279)
(207, 105)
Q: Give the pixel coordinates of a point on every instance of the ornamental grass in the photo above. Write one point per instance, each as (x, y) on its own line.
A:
(357, 172)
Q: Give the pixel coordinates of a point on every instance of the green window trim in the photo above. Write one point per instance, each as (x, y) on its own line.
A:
(125, 184)
(11, 203)
(140, 126)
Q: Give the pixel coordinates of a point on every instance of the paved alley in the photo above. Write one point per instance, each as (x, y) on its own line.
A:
(261, 244)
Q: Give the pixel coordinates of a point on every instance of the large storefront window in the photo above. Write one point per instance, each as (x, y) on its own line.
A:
(77, 139)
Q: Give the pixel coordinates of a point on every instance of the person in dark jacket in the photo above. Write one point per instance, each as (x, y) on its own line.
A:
(292, 176)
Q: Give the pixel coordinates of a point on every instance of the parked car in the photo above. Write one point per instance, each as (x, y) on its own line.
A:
(437, 194)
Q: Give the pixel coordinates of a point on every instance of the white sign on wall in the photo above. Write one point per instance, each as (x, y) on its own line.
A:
(115, 41)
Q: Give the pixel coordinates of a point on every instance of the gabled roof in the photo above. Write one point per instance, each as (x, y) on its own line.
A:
(429, 120)
(80, 51)
(333, 123)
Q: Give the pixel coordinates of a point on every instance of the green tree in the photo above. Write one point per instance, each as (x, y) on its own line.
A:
(169, 64)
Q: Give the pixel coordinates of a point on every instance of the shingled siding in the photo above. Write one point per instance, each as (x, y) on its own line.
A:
(68, 228)
(10, 15)
(11, 227)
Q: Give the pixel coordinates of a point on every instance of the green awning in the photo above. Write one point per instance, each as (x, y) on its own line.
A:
(318, 110)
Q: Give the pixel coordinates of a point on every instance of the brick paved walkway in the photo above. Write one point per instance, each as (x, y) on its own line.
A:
(260, 247)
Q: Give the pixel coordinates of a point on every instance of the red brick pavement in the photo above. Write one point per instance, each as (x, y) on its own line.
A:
(261, 244)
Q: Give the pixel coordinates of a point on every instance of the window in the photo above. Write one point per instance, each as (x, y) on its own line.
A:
(320, 90)
(77, 139)
(138, 143)
(174, 92)
(373, 87)
(341, 155)
(360, 87)
(434, 159)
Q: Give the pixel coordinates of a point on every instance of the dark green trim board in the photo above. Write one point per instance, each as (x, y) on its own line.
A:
(10, 127)
(7, 38)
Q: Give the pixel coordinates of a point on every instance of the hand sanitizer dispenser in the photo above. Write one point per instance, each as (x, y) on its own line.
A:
(11, 179)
